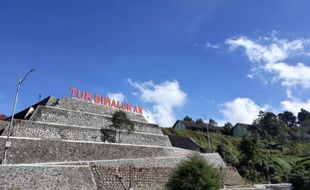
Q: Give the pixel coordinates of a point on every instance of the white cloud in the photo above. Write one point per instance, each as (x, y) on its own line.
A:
(271, 56)
(164, 97)
(117, 96)
(295, 105)
(207, 45)
(290, 75)
(149, 116)
(268, 50)
(242, 110)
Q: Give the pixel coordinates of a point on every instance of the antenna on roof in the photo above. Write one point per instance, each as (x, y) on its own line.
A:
(39, 97)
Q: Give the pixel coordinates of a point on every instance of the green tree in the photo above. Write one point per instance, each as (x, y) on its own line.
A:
(227, 129)
(303, 115)
(288, 118)
(187, 118)
(305, 123)
(194, 174)
(199, 121)
(261, 114)
(250, 150)
(300, 177)
(269, 124)
(121, 122)
(212, 122)
(250, 156)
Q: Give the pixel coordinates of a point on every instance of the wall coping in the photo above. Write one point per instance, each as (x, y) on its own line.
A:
(93, 142)
(88, 163)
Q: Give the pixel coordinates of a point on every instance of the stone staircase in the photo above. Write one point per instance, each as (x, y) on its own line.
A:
(63, 146)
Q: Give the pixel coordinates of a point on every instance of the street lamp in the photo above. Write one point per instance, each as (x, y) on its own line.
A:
(8, 142)
(209, 140)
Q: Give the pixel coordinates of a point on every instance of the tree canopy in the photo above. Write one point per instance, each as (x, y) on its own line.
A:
(303, 115)
(121, 121)
(187, 118)
(288, 118)
(212, 122)
(199, 121)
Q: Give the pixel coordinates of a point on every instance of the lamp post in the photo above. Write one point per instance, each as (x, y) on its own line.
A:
(209, 140)
(8, 142)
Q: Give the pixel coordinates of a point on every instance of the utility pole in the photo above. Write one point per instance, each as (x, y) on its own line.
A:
(209, 140)
(8, 142)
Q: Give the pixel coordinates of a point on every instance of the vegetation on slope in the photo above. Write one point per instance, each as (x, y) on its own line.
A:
(194, 174)
(278, 152)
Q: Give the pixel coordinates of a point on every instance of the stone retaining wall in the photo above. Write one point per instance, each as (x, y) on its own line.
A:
(69, 117)
(39, 151)
(170, 161)
(232, 177)
(81, 105)
(140, 178)
(47, 178)
(44, 130)
(186, 143)
(3, 126)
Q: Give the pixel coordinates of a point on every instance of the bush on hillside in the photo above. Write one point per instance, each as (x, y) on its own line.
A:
(300, 176)
(194, 174)
(227, 155)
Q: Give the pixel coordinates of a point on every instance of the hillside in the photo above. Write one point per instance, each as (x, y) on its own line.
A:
(282, 158)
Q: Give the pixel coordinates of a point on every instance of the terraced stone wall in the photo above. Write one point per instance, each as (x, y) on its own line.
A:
(25, 150)
(115, 178)
(3, 126)
(66, 132)
(77, 118)
(46, 177)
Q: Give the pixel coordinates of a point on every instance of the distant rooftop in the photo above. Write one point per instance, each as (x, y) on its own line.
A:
(195, 125)
(3, 117)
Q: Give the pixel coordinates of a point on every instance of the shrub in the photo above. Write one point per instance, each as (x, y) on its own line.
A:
(300, 176)
(194, 174)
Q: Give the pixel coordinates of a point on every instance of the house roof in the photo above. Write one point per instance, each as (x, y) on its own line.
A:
(3, 117)
(249, 127)
(243, 125)
(202, 126)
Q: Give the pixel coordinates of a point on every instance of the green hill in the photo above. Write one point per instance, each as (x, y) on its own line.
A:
(280, 157)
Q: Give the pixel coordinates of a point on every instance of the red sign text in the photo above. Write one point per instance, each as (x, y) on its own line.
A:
(105, 101)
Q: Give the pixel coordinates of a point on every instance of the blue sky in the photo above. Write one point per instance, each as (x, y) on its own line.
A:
(224, 60)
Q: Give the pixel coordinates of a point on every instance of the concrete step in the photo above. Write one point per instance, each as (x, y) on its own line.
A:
(84, 106)
(66, 132)
(62, 116)
(280, 186)
(36, 150)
